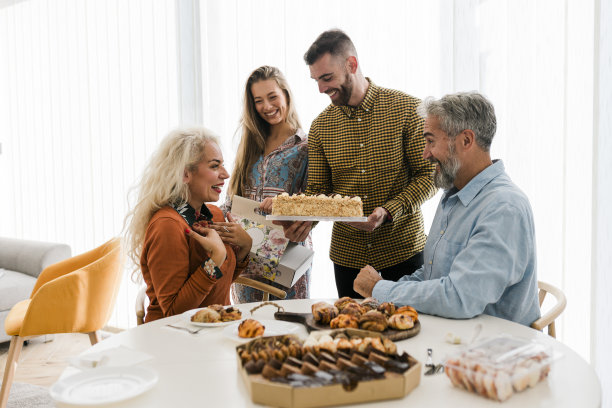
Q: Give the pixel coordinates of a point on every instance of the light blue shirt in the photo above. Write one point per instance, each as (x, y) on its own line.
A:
(480, 255)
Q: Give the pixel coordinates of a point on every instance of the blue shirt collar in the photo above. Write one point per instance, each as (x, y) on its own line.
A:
(473, 187)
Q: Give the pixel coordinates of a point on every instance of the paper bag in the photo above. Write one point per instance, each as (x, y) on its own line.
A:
(272, 254)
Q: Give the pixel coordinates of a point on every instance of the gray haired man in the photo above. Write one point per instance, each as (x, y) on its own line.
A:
(480, 254)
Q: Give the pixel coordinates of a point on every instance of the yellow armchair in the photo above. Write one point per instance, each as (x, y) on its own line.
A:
(76, 295)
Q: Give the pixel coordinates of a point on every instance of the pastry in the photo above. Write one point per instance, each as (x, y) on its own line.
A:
(229, 314)
(324, 312)
(400, 321)
(320, 205)
(373, 320)
(216, 307)
(343, 321)
(206, 315)
(409, 310)
(354, 309)
(370, 304)
(343, 301)
(387, 308)
(250, 328)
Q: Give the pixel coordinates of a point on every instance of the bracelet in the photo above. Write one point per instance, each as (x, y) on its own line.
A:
(211, 269)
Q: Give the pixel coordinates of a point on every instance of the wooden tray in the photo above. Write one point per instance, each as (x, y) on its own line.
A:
(308, 320)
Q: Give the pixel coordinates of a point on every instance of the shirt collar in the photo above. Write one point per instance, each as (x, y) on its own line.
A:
(476, 184)
(368, 102)
(189, 214)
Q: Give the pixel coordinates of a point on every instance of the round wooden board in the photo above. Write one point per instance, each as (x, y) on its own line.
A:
(308, 320)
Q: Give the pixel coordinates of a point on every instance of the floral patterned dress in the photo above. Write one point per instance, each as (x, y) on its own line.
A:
(283, 170)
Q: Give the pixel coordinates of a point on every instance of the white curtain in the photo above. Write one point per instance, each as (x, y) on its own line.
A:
(87, 89)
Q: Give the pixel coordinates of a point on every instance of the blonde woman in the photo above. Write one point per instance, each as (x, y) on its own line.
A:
(272, 158)
(188, 254)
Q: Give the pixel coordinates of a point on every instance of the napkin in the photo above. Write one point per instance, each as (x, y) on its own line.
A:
(115, 357)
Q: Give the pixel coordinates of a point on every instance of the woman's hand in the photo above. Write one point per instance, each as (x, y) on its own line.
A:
(232, 233)
(210, 241)
(266, 205)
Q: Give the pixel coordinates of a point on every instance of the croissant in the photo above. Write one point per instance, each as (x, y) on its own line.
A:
(324, 312)
(250, 328)
(400, 321)
(343, 321)
(373, 320)
(206, 315)
(370, 304)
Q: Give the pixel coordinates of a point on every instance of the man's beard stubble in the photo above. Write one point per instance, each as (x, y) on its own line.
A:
(445, 177)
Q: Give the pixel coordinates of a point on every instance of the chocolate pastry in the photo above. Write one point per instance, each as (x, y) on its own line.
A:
(216, 307)
(353, 309)
(324, 312)
(388, 308)
(287, 369)
(370, 304)
(250, 328)
(343, 301)
(400, 321)
(309, 369)
(229, 314)
(343, 321)
(373, 320)
(206, 315)
(270, 372)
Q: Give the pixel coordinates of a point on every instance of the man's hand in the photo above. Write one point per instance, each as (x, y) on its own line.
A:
(365, 281)
(295, 231)
(375, 220)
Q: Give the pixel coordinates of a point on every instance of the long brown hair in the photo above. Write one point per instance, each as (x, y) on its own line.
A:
(255, 129)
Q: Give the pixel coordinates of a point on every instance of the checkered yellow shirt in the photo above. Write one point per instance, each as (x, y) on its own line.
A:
(374, 151)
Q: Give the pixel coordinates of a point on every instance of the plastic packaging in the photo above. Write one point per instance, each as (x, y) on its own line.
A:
(498, 367)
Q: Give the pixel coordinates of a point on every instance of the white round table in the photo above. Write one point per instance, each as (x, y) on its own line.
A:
(201, 369)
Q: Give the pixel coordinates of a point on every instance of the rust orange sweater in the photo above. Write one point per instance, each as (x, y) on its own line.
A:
(171, 267)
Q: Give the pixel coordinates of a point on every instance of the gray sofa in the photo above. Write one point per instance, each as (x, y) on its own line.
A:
(21, 261)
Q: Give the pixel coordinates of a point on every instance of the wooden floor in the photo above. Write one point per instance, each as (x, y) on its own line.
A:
(42, 363)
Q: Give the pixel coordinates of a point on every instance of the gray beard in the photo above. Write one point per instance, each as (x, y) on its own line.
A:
(445, 177)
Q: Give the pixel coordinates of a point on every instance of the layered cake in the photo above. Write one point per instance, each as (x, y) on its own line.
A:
(317, 206)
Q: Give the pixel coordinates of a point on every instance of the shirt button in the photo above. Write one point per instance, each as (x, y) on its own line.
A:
(365, 196)
(358, 119)
(360, 144)
(369, 245)
(430, 262)
(363, 171)
(441, 232)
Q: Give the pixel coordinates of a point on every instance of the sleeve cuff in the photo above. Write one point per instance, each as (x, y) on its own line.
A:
(381, 290)
(211, 270)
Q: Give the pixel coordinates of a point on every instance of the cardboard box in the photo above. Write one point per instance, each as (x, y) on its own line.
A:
(394, 386)
(295, 259)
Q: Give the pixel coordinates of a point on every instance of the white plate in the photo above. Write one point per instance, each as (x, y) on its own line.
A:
(190, 313)
(314, 218)
(273, 328)
(103, 385)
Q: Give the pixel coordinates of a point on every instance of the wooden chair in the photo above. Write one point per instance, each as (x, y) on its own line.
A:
(141, 298)
(75, 295)
(548, 318)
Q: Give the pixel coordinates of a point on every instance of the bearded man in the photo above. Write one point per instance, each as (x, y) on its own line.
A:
(480, 254)
(366, 143)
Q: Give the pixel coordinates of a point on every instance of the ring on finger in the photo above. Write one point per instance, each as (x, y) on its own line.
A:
(225, 229)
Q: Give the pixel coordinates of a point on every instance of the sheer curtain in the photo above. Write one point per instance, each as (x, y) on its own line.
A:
(87, 89)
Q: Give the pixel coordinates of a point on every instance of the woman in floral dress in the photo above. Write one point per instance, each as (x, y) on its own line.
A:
(272, 158)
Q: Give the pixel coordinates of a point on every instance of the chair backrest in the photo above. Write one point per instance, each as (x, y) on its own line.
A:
(548, 318)
(76, 295)
(141, 298)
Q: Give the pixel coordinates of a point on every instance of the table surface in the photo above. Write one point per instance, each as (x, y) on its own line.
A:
(196, 369)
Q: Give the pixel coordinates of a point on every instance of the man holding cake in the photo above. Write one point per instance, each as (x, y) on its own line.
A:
(480, 255)
(366, 144)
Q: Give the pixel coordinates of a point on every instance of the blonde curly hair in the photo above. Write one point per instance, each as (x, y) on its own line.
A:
(161, 184)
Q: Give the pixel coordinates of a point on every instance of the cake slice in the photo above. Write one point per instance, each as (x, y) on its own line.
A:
(318, 206)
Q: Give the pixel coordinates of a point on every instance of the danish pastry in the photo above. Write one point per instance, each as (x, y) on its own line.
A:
(400, 321)
(229, 314)
(410, 311)
(354, 309)
(250, 328)
(370, 304)
(388, 308)
(343, 301)
(343, 321)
